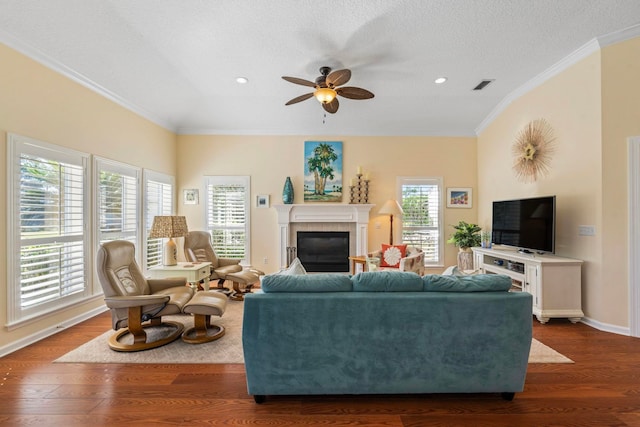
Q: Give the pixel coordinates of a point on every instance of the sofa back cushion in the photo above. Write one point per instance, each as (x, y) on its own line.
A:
(323, 282)
(473, 283)
(387, 281)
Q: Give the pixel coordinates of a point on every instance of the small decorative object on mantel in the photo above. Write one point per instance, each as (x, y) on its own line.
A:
(287, 192)
(359, 188)
(532, 150)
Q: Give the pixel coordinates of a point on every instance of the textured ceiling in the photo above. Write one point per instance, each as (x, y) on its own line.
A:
(175, 61)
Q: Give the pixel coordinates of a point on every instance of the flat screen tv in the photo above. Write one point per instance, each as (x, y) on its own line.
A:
(526, 224)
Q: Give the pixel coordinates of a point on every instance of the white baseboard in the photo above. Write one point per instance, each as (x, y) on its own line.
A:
(23, 342)
(606, 327)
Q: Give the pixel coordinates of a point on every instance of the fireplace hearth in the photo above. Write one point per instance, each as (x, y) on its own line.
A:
(323, 251)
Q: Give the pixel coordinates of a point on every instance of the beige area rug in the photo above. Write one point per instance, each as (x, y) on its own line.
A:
(227, 349)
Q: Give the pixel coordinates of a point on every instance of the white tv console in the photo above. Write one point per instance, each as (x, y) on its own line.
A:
(554, 282)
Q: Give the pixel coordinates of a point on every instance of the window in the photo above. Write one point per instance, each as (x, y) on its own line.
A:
(47, 241)
(118, 209)
(158, 200)
(421, 201)
(227, 215)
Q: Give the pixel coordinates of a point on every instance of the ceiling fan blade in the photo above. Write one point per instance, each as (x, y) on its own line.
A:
(331, 107)
(352, 92)
(300, 98)
(338, 77)
(298, 81)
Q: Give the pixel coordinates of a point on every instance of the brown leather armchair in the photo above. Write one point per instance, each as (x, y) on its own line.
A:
(135, 302)
(198, 248)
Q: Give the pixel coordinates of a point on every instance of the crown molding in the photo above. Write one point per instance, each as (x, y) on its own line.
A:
(550, 72)
(587, 49)
(40, 57)
(619, 36)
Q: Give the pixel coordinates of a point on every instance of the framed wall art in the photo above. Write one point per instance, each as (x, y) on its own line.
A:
(322, 171)
(191, 196)
(262, 201)
(459, 197)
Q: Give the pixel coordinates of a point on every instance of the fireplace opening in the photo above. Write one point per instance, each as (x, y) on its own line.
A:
(324, 251)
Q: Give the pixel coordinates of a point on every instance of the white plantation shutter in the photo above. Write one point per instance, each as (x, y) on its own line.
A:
(159, 196)
(47, 239)
(118, 209)
(421, 221)
(227, 215)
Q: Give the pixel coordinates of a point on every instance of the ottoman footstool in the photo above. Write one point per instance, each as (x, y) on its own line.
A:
(247, 278)
(203, 305)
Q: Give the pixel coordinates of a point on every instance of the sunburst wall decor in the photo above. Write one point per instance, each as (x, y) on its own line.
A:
(532, 150)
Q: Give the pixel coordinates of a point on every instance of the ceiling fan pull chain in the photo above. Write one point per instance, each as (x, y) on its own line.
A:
(324, 118)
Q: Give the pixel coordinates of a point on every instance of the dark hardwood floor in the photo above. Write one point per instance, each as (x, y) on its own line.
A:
(602, 388)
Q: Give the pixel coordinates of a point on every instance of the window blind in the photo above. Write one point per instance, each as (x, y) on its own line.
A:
(117, 197)
(158, 201)
(227, 216)
(421, 225)
(51, 215)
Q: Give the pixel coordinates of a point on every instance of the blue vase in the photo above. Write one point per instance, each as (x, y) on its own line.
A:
(287, 192)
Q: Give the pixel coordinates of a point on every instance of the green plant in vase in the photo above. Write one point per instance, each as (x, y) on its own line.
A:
(466, 236)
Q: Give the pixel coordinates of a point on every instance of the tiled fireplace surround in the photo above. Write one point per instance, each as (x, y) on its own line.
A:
(353, 218)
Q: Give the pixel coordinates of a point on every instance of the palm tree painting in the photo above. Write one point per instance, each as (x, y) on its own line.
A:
(323, 171)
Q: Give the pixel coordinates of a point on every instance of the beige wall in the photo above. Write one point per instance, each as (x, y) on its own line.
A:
(268, 160)
(620, 120)
(591, 110)
(44, 105)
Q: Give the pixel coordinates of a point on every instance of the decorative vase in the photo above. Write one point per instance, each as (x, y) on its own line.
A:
(287, 192)
(465, 259)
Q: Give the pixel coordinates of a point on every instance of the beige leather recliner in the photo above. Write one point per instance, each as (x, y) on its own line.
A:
(198, 248)
(135, 302)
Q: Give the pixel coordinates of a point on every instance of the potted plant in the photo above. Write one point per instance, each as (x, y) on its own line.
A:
(466, 236)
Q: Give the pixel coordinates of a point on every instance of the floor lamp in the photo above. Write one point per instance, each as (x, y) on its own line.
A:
(391, 208)
(169, 226)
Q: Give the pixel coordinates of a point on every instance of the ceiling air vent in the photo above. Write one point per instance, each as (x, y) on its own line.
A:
(483, 84)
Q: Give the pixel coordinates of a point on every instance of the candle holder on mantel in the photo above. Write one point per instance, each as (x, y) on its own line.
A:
(359, 193)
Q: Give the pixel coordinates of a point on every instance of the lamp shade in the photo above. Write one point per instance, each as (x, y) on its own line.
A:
(391, 207)
(168, 226)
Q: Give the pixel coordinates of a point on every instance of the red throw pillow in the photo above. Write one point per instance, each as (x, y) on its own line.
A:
(391, 255)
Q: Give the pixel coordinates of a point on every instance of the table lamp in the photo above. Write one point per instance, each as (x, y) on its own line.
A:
(391, 208)
(169, 226)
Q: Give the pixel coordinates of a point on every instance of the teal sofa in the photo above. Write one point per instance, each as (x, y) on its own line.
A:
(385, 333)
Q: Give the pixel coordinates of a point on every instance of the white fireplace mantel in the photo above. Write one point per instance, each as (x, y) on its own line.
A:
(323, 213)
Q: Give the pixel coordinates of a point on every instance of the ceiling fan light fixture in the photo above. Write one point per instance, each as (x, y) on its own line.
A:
(325, 95)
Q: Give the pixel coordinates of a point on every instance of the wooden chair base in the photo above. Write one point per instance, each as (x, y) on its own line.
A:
(140, 337)
(202, 331)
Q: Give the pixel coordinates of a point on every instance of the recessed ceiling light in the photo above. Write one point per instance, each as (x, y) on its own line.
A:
(440, 80)
(242, 80)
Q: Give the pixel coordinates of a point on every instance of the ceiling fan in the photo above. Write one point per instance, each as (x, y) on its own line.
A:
(327, 89)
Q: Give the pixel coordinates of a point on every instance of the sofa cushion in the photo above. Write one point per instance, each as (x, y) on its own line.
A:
(387, 281)
(392, 254)
(295, 268)
(471, 283)
(454, 270)
(323, 282)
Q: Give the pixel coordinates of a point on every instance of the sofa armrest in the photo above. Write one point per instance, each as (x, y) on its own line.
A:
(135, 300)
(156, 285)
(222, 262)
